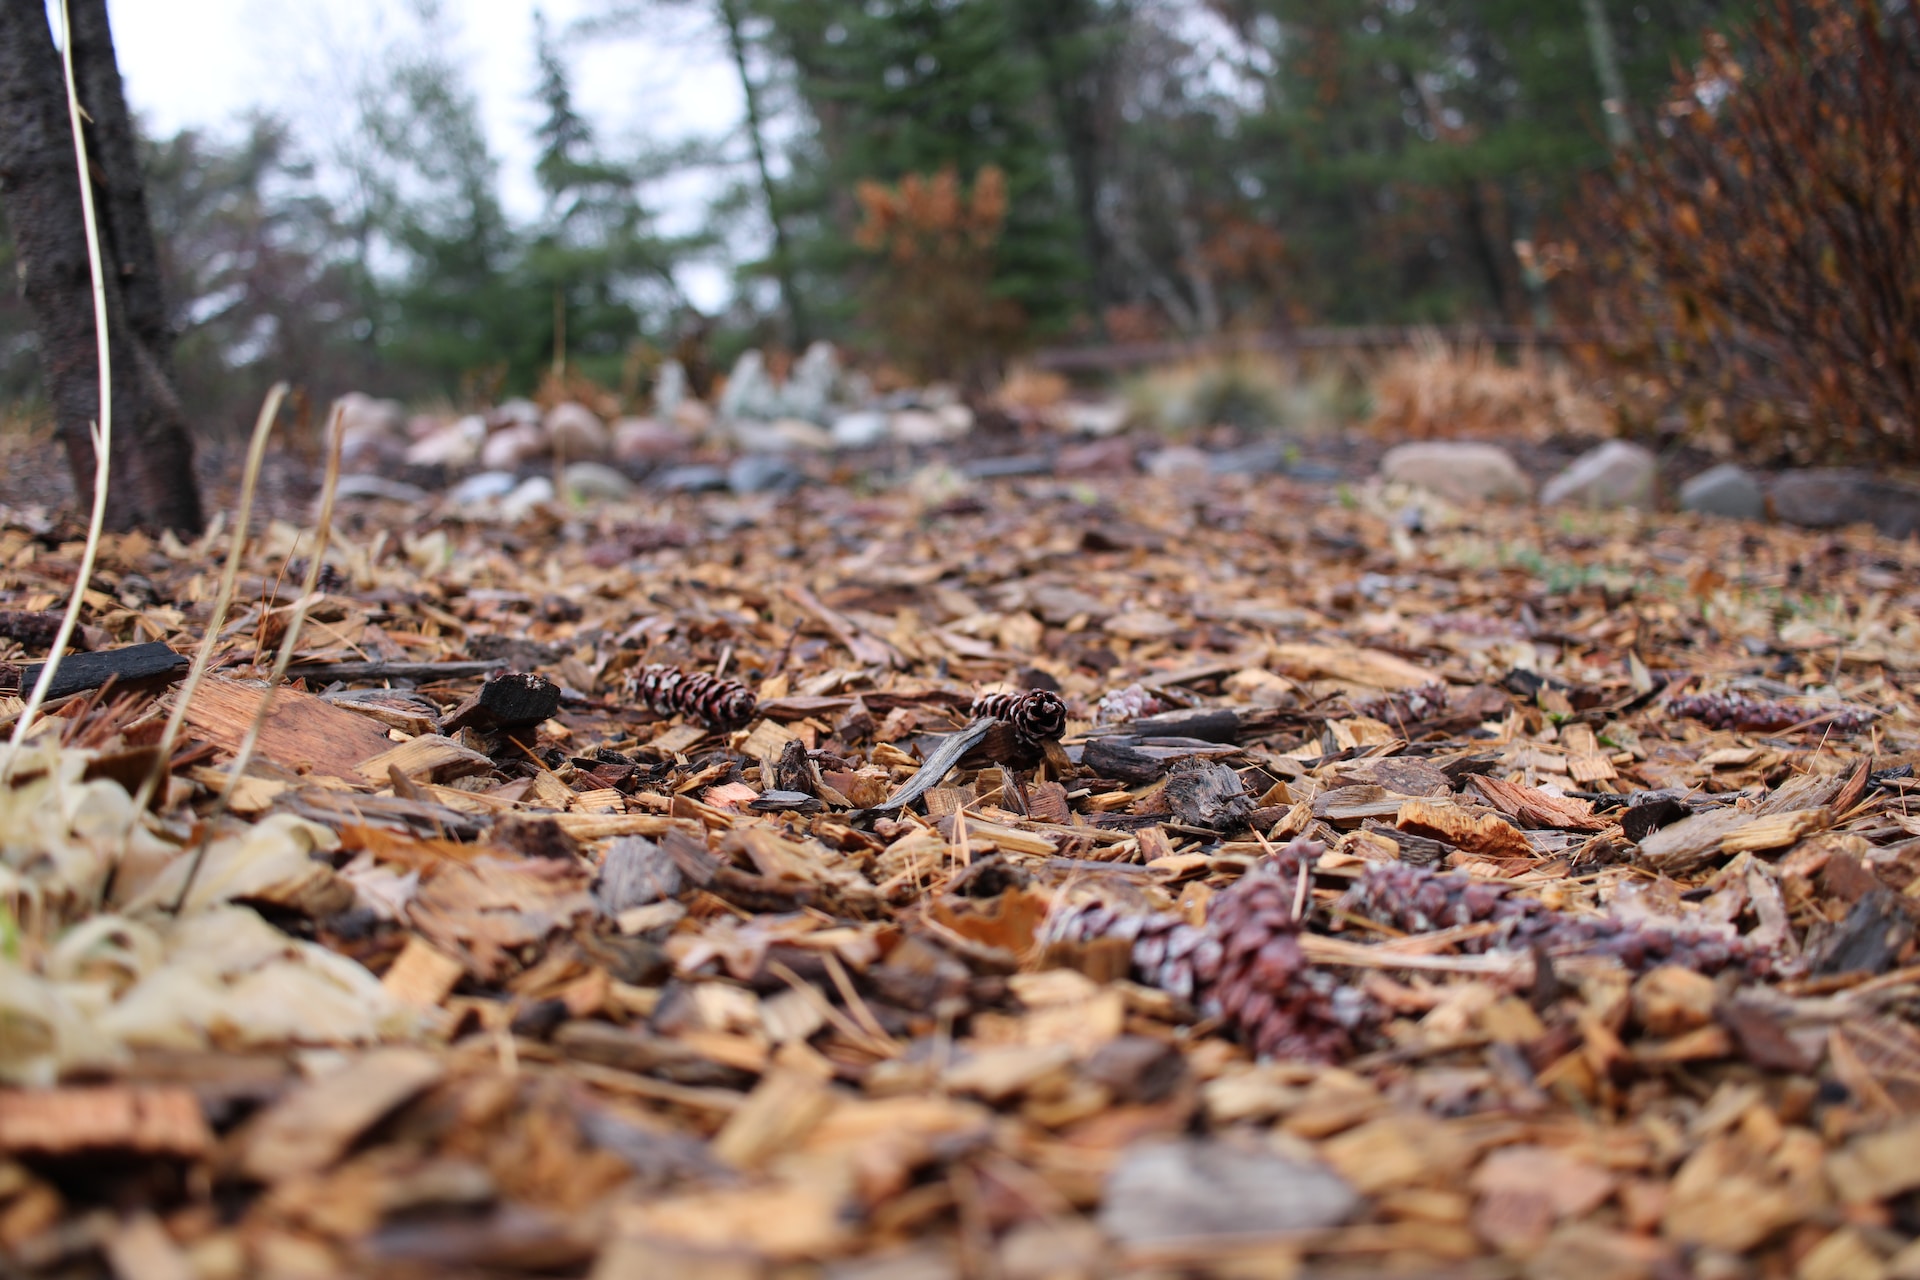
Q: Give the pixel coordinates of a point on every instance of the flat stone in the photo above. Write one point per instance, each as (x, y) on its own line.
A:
(1096, 458)
(1618, 473)
(529, 493)
(1827, 498)
(696, 477)
(454, 444)
(1197, 1189)
(1458, 471)
(512, 445)
(482, 486)
(1726, 490)
(861, 430)
(1178, 460)
(369, 486)
(763, 473)
(1261, 458)
(587, 481)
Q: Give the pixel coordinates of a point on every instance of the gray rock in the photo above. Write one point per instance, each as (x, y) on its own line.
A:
(576, 431)
(763, 473)
(594, 481)
(647, 440)
(482, 486)
(1458, 470)
(362, 413)
(1179, 460)
(696, 477)
(511, 411)
(452, 444)
(1832, 497)
(512, 445)
(1618, 473)
(750, 391)
(809, 389)
(369, 486)
(1193, 1190)
(1261, 458)
(1725, 490)
(860, 430)
(532, 492)
(669, 389)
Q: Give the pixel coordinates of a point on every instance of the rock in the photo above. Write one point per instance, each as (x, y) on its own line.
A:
(512, 411)
(369, 415)
(1180, 461)
(750, 391)
(482, 486)
(454, 444)
(763, 473)
(1196, 1189)
(1618, 473)
(576, 431)
(529, 493)
(1020, 464)
(694, 417)
(694, 478)
(374, 486)
(1261, 458)
(809, 389)
(1457, 470)
(1830, 497)
(754, 436)
(800, 433)
(1725, 490)
(513, 445)
(669, 389)
(927, 426)
(370, 451)
(1094, 417)
(860, 430)
(647, 440)
(594, 481)
(1095, 458)
(957, 418)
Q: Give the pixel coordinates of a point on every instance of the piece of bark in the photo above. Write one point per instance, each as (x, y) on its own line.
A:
(794, 771)
(1488, 835)
(1119, 759)
(411, 713)
(635, 872)
(148, 1120)
(315, 1125)
(302, 732)
(431, 758)
(1209, 795)
(513, 700)
(536, 837)
(79, 672)
(690, 854)
(1649, 811)
(1869, 938)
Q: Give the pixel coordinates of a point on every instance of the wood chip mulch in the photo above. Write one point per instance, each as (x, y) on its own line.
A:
(643, 891)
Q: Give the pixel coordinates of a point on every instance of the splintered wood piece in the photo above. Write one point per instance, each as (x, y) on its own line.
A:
(1534, 808)
(148, 1120)
(1775, 831)
(1208, 795)
(1488, 835)
(421, 975)
(302, 732)
(778, 1115)
(312, 1128)
(433, 758)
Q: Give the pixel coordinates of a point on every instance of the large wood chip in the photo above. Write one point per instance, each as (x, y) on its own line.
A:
(315, 1125)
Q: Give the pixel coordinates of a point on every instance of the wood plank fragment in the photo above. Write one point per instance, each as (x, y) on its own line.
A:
(302, 733)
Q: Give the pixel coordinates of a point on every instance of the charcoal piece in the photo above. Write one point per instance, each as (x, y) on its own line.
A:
(510, 701)
(79, 672)
(1869, 937)
(1209, 795)
(794, 771)
(635, 872)
(1118, 758)
(1648, 811)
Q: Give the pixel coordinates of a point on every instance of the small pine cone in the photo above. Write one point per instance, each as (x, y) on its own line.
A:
(723, 704)
(1037, 716)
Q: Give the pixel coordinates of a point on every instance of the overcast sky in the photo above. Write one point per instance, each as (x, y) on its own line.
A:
(205, 63)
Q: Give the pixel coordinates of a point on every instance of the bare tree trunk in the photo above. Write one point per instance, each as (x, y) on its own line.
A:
(756, 133)
(153, 481)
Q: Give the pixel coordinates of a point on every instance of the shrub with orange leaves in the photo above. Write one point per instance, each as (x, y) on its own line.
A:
(1760, 257)
(931, 299)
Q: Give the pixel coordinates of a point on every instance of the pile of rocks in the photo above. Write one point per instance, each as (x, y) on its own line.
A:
(1620, 474)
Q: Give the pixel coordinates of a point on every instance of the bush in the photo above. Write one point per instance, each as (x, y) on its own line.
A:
(1760, 258)
(1437, 391)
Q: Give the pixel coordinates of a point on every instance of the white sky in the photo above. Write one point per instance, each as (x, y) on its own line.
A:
(204, 63)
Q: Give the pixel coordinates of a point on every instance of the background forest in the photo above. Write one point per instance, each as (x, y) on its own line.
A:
(1160, 167)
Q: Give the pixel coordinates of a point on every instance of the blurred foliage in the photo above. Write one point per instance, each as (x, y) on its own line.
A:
(1757, 259)
(931, 297)
(1438, 391)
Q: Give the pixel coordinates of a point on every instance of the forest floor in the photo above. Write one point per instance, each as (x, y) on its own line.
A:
(1490, 893)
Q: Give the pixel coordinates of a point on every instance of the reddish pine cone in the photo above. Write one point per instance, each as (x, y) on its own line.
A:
(723, 704)
(1037, 715)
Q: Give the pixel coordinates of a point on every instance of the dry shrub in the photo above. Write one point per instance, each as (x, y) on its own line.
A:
(1759, 261)
(1250, 392)
(932, 302)
(1437, 391)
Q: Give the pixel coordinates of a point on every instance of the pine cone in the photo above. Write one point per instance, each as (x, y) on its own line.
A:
(1037, 716)
(723, 704)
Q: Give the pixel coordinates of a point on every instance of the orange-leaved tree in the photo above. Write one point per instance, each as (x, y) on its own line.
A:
(1759, 255)
(931, 298)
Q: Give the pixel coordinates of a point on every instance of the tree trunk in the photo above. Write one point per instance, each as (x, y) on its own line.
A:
(153, 482)
(756, 134)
